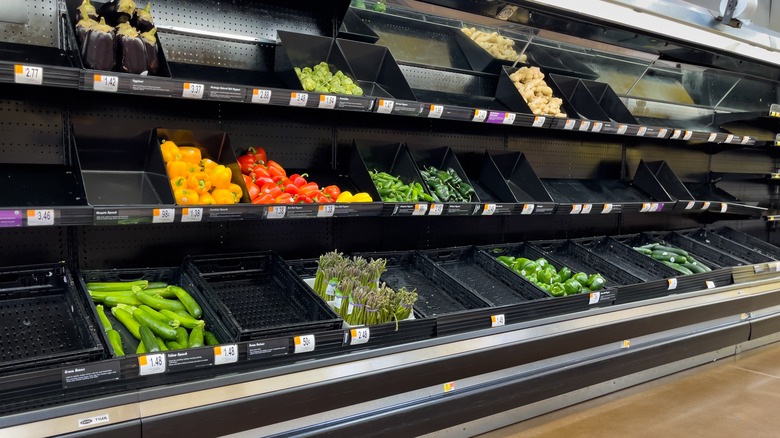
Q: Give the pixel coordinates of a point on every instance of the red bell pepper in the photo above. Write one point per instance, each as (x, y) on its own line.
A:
(271, 189)
(322, 199)
(292, 189)
(248, 179)
(263, 199)
(246, 162)
(310, 189)
(298, 180)
(253, 191)
(303, 199)
(260, 171)
(284, 198)
(275, 169)
(332, 191)
(258, 154)
(263, 180)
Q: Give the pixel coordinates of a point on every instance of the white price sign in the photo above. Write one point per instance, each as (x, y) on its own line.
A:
(420, 209)
(27, 74)
(576, 209)
(261, 96)
(151, 364)
(594, 298)
(359, 335)
(528, 209)
(690, 205)
(276, 212)
(712, 137)
(676, 134)
(538, 122)
(436, 210)
(304, 344)
(586, 208)
(706, 205)
(497, 320)
(326, 210)
(298, 99)
(163, 215)
(597, 126)
(509, 118)
(584, 125)
(385, 106)
(724, 207)
(225, 354)
(569, 124)
(327, 101)
(745, 139)
(710, 284)
(488, 209)
(688, 135)
(672, 283)
(622, 129)
(435, 111)
(642, 131)
(479, 115)
(662, 132)
(105, 83)
(40, 217)
(729, 138)
(607, 209)
(191, 214)
(192, 91)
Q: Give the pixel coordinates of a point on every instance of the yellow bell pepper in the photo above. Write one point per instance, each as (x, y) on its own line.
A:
(220, 177)
(362, 197)
(206, 199)
(185, 197)
(179, 168)
(190, 154)
(199, 182)
(344, 197)
(223, 196)
(208, 165)
(179, 182)
(235, 189)
(170, 151)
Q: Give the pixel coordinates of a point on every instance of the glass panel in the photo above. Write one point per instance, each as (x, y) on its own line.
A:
(751, 94)
(684, 84)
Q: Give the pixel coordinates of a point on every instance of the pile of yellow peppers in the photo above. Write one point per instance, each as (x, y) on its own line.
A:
(196, 180)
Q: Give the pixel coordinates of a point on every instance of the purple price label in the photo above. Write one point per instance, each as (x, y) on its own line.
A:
(10, 218)
(496, 117)
(660, 206)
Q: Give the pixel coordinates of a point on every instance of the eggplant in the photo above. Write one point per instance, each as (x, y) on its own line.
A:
(142, 19)
(131, 49)
(150, 43)
(118, 11)
(99, 48)
(86, 10)
(82, 29)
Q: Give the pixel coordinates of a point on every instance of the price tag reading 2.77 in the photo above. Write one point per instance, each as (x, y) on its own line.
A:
(192, 91)
(27, 74)
(304, 344)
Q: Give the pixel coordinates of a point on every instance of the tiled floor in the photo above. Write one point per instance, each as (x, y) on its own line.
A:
(735, 397)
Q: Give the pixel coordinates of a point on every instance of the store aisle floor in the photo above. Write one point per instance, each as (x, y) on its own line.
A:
(734, 397)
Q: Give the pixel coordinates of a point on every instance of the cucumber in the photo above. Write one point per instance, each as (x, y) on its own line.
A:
(696, 269)
(184, 318)
(196, 338)
(128, 321)
(699, 264)
(210, 338)
(645, 251)
(116, 342)
(665, 256)
(192, 306)
(116, 285)
(148, 340)
(671, 249)
(156, 326)
(157, 303)
(173, 322)
(677, 267)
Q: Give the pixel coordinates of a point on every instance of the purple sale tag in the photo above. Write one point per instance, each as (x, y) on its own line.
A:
(660, 206)
(10, 218)
(495, 117)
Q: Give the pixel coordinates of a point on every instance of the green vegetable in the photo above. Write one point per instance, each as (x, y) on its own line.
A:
(103, 319)
(116, 285)
(596, 282)
(184, 318)
(158, 303)
(163, 292)
(508, 261)
(565, 273)
(175, 345)
(380, 6)
(186, 299)
(645, 251)
(672, 257)
(128, 321)
(321, 80)
(581, 277)
(572, 286)
(116, 342)
(210, 338)
(181, 336)
(447, 185)
(98, 297)
(148, 340)
(159, 316)
(157, 285)
(158, 327)
(557, 290)
(556, 282)
(392, 189)
(677, 267)
(161, 343)
(670, 249)
(140, 349)
(695, 268)
(196, 338)
(114, 300)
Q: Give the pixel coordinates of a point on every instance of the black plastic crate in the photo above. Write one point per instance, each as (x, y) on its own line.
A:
(438, 294)
(712, 257)
(749, 241)
(257, 296)
(580, 259)
(171, 275)
(44, 320)
(641, 266)
(507, 93)
(610, 102)
(736, 250)
(353, 28)
(578, 96)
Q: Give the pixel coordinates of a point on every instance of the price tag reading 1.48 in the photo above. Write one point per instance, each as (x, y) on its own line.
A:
(151, 364)
(27, 74)
(304, 344)
(192, 91)
(105, 83)
(538, 122)
(359, 335)
(225, 354)
(298, 99)
(40, 217)
(163, 215)
(191, 214)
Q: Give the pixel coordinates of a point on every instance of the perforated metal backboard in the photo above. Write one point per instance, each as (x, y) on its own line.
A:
(31, 22)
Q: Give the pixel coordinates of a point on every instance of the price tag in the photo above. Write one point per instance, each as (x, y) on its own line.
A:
(645, 207)
(420, 209)
(672, 282)
(326, 210)
(586, 208)
(509, 118)
(327, 101)
(688, 135)
(298, 99)
(662, 132)
(261, 96)
(489, 209)
(594, 298)
(653, 206)
(607, 209)
(385, 106)
(27, 74)
(538, 121)
(436, 111)
(729, 138)
(163, 215)
(642, 131)
(105, 83)
(705, 206)
(625, 344)
(191, 214)
(225, 354)
(690, 205)
(676, 134)
(497, 320)
(744, 316)
(479, 115)
(745, 139)
(151, 364)
(597, 127)
(192, 91)
(584, 125)
(569, 124)
(622, 129)
(359, 335)
(712, 137)
(449, 386)
(710, 284)
(724, 207)
(576, 209)
(40, 217)
(436, 210)
(304, 344)
(528, 209)
(276, 212)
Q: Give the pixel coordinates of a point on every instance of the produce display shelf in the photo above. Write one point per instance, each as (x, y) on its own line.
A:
(748, 241)
(736, 250)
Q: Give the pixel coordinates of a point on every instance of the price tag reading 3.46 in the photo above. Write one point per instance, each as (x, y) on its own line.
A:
(40, 217)
(27, 74)
(105, 83)
(304, 344)
(192, 91)
(151, 364)
(163, 215)
(225, 354)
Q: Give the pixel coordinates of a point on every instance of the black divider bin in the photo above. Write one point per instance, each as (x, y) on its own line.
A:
(74, 49)
(673, 186)
(127, 171)
(749, 241)
(578, 96)
(479, 58)
(734, 249)
(257, 296)
(517, 174)
(443, 158)
(486, 178)
(639, 265)
(214, 145)
(353, 28)
(376, 70)
(610, 102)
(508, 94)
(171, 275)
(45, 320)
(438, 294)
(300, 50)
(559, 62)
(580, 259)
(722, 201)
